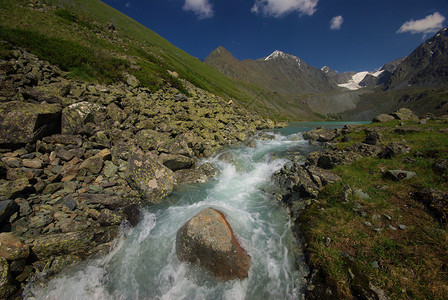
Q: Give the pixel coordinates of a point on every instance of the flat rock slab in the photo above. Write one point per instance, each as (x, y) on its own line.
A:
(208, 240)
(398, 175)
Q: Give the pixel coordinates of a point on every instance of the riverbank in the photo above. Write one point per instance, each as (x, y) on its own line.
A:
(371, 209)
(78, 159)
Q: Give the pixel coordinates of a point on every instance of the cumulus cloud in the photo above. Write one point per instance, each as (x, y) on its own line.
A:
(278, 8)
(429, 24)
(202, 8)
(336, 23)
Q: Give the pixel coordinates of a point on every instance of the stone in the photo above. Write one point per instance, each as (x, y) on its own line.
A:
(383, 118)
(207, 239)
(109, 217)
(176, 162)
(109, 201)
(65, 155)
(6, 286)
(23, 122)
(440, 167)
(132, 213)
(12, 248)
(110, 169)
(32, 163)
(13, 189)
(321, 135)
(398, 175)
(65, 139)
(394, 149)
(7, 209)
(151, 179)
(436, 201)
(76, 243)
(93, 164)
(75, 116)
(69, 202)
(151, 140)
(53, 188)
(116, 113)
(405, 114)
(407, 130)
(132, 81)
(372, 137)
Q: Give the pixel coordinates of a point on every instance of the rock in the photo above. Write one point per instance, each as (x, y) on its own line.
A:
(69, 202)
(324, 177)
(64, 154)
(321, 135)
(116, 113)
(110, 169)
(109, 201)
(207, 239)
(76, 115)
(372, 137)
(398, 175)
(189, 176)
(132, 213)
(93, 164)
(76, 243)
(176, 162)
(393, 149)
(32, 163)
(13, 189)
(151, 140)
(132, 81)
(440, 167)
(6, 286)
(383, 118)
(436, 201)
(12, 248)
(405, 114)
(53, 188)
(23, 122)
(151, 179)
(7, 209)
(65, 139)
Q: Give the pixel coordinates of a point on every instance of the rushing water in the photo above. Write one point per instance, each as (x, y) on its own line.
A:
(144, 265)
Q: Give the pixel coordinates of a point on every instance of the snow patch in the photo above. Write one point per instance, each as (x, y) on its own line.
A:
(280, 54)
(353, 84)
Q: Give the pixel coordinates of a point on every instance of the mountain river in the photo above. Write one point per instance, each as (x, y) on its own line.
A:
(143, 263)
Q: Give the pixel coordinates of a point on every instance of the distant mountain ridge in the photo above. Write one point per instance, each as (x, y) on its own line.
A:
(279, 72)
(425, 66)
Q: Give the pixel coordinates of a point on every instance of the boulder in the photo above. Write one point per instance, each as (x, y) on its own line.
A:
(77, 243)
(151, 179)
(441, 167)
(22, 122)
(207, 239)
(398, 175)
(76, 115)
(12, 248)
(394, 149)
(383, 118)
(176, 162)
(6, 286)
(12, 189)
(321, 135)
(7, 209)
(405, 114)
(436, 201)
(372, 137)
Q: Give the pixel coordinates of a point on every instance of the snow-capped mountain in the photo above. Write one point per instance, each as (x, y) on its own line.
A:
(361, 79)
(279, 72)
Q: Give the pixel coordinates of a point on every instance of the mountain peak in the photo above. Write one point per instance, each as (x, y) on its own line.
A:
(276, 54)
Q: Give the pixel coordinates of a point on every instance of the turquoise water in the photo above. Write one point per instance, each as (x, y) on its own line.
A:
(143, 264)
(301, 127)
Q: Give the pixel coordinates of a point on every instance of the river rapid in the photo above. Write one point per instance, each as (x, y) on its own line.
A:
(143, 263)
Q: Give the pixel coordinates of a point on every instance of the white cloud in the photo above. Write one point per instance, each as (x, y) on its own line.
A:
(278, 8)
(429, 24)
(336, 23)
(202, 8)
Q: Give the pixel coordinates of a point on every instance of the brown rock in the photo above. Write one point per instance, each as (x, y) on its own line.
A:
(12, 248)
(207, 239)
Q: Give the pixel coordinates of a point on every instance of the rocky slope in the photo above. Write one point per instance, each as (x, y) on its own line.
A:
(79, 159)
(425, 66)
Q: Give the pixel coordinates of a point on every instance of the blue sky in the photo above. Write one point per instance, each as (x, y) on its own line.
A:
(346, 35)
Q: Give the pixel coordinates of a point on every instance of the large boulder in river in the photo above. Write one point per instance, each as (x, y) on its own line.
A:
(207, 239)
(22, 122)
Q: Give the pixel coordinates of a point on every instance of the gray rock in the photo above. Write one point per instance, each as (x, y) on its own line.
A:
(6, 286)
(151, 179)
(405, 114)
(398, 175)
(7, 209)
(383, 118)
(176, 162)
(110, 169)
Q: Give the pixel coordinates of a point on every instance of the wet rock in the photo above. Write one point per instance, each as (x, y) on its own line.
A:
(398, 175)
(12, 248)
(109, 217)
(132, 213)
(22, 122)
(207, 239)
(151, 179)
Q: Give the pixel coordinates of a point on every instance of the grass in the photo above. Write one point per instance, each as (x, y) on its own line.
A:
(412, 263)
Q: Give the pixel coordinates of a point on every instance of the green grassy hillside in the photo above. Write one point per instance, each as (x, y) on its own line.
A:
(94, 42)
